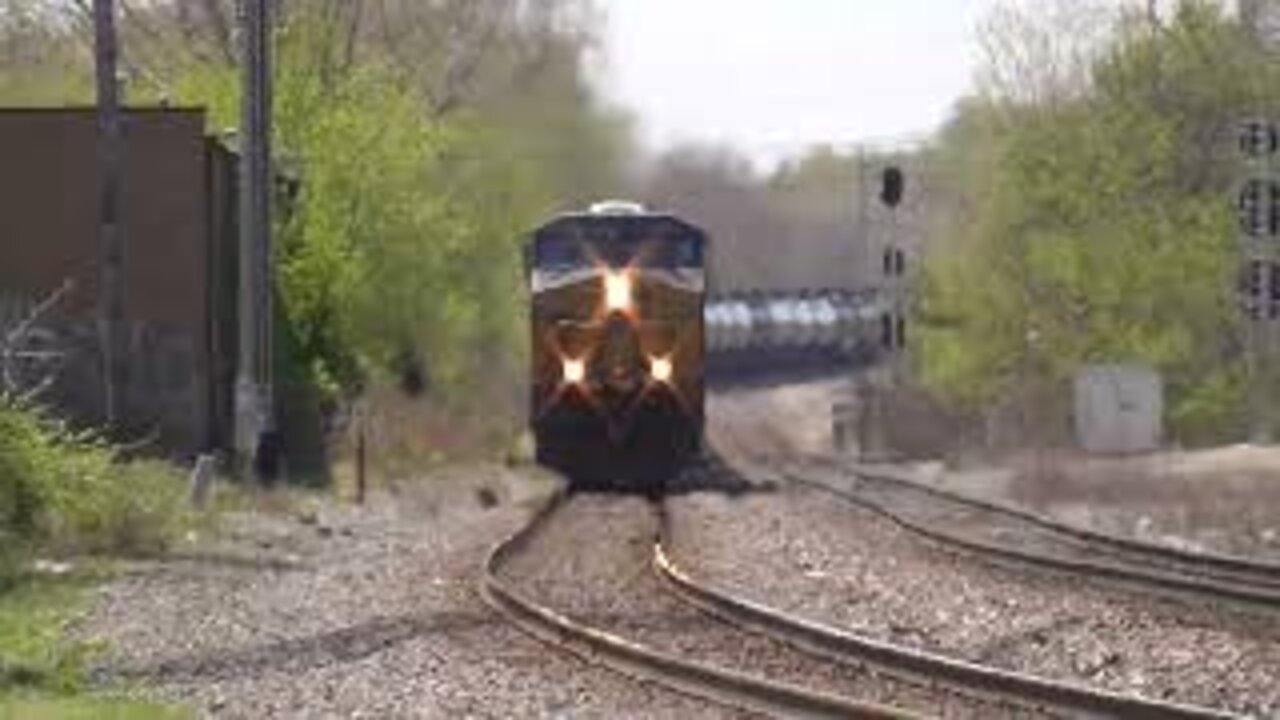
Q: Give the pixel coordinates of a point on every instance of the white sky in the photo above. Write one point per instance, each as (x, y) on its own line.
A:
(773, 76)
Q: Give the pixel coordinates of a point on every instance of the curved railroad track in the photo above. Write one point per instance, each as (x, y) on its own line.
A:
(599, 645)
(990, 690)
(1013, 535)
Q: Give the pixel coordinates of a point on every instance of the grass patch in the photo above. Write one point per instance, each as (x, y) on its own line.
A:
(41, 671)
(87, 709)
(33, 654)
(66, 495)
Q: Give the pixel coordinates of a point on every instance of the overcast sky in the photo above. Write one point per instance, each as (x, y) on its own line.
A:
(772, 76)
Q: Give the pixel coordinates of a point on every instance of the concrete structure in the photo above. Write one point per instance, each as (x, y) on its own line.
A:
(178, 225)
(1118, 409)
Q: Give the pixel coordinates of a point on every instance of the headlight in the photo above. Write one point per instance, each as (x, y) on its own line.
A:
(575, 371)
(662, 369)
(617, 292)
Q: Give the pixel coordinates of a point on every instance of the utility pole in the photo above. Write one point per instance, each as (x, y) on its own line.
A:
(110, 237)
(864, 249)
(256, 435)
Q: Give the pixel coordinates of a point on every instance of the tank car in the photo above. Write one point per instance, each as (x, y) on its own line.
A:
(718, 326)
(617, 318)
(740, 324)
(827, 323)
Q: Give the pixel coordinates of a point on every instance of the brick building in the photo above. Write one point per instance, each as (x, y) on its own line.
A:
(178, 224)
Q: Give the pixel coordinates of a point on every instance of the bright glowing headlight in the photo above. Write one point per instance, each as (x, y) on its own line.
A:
(661, 369)
(617, 292)
(575, 371)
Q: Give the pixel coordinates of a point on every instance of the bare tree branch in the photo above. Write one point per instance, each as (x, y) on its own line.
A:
(12, 348)
(1039, 53)
(166, 47)
(464, 61)
(215, 15)
(353, 34)
(15, 335)
(82, 23)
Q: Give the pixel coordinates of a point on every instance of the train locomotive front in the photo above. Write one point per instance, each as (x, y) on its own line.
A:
(617, 356)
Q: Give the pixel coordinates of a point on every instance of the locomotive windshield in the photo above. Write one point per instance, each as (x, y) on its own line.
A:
(617, 242)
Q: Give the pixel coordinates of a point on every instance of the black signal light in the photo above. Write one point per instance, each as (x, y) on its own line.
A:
(892, 186)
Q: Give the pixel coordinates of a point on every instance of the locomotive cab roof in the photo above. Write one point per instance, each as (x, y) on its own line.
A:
(616, 207)
(560, 240)
(616, 210)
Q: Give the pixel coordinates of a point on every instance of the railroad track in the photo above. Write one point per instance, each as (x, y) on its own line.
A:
(599, 645)
(1003, 533)
(987, 689)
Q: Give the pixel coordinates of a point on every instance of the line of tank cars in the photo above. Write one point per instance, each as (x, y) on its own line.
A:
(755, 332)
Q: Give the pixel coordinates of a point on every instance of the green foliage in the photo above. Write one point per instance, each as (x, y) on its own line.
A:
(63, 492)
(427, 139)
(41, 672)
(1098, 228)
(404, 244)
(33, 653)
(87, 708)
(66, 492)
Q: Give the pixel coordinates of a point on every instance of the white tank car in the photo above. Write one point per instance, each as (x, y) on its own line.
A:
(781, 332)
(761, 324)
(741, 325)
(828, 328)
(714, 321)
(806, 323)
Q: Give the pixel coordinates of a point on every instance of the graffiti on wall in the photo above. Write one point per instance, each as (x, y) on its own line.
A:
(33, 351)
(48, 356)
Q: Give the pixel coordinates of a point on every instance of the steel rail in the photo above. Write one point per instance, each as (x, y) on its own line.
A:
(1253, 593)
(966, 678)
(644, 663)
(1232, 567)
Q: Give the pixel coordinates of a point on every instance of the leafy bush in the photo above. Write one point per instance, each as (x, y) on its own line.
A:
(25, 448)
(67, 491)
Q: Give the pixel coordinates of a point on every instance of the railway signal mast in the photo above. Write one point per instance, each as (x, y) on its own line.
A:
(893, 329)
(1258, 215)
(871, 386)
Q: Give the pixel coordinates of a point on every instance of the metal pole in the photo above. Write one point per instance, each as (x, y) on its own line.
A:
(264, 189)
(1258, 349)
(864, 248)
(361, 478)
(111, 240)
(255, 416)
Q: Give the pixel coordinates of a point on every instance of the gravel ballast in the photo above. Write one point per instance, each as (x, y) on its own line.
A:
(592, 562)
(1223, 500)
(349, 613)
(814, 555)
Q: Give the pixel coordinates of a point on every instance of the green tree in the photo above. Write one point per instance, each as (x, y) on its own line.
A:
(1096, 227)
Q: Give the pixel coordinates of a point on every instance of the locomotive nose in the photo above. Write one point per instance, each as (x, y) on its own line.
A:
(619, 364)
(621, 379)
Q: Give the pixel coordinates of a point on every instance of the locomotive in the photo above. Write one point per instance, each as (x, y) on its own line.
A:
(617, 334)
